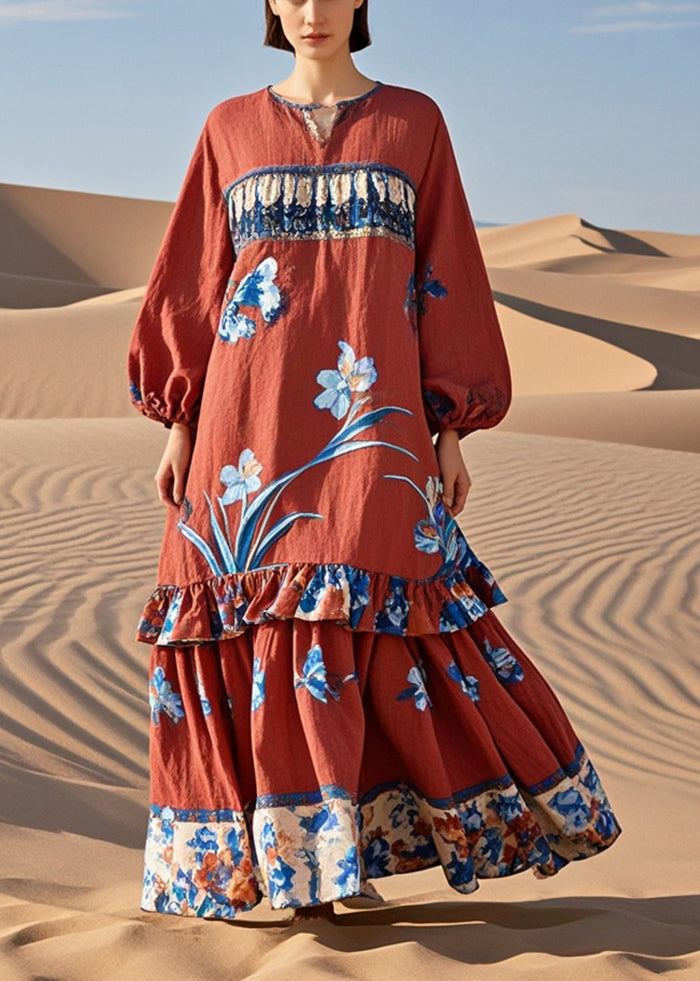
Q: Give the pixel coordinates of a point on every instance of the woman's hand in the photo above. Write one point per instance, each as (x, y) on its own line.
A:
(172, 472)
(456, 482)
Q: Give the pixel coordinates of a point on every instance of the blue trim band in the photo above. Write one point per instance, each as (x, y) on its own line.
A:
(333, 792)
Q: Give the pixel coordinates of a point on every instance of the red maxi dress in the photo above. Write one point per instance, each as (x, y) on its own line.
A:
(332, 698)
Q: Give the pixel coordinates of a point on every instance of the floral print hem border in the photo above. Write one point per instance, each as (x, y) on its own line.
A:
(354, 598)
(317, 201)
(216, 864)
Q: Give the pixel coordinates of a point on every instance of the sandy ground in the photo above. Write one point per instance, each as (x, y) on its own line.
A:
(585, 505)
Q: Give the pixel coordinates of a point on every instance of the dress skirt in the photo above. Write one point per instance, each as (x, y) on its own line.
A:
(300, 759)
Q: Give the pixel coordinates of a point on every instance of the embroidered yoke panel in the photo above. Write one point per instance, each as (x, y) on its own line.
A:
(319, 201)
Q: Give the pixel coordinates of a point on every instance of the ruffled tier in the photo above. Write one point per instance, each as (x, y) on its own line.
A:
(226, 606)
(396, 755)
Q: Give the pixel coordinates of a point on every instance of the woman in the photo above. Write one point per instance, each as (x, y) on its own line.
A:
(332, 698)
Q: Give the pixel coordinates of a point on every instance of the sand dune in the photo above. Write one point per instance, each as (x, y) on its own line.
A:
(91, 338)
(663, 419)
(600, 299)
(563, 236)
(83, 239)
(596, 543)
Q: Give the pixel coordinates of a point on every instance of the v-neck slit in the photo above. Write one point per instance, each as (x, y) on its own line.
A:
(318, 105)
(321, 119)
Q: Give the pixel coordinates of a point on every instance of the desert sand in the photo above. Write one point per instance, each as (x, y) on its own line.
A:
(585, 505)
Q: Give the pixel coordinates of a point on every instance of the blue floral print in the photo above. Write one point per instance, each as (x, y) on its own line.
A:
(323, 818)
(235, 326)
(503, 663)
(508, 807)
(314, 677)
(415, 298)
(343, 589)
(468, 683)
(258, 693)
(268, 838)
(392, 619)
(345, 580)
(279, 878)
(198, 862)
(237, 541)
(376, 857)
(349, 870)
(406, 807)
(257, 289)
(313, 863)
(438, 532)
(252, 542)
(206, 705)
(605, 819)
(279, 873)
(241, 480)
(416, 690)
(460, 872)
(206, 841)
(350, 376)
(572, 806)
(173, 613)
(438, 404)
(162, 698)
(490, 846)
(135, 392)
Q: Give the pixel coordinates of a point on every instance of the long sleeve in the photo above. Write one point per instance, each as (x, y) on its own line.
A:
(178, 319)
(465, 376)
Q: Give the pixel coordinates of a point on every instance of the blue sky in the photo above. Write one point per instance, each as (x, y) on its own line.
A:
(554, 105)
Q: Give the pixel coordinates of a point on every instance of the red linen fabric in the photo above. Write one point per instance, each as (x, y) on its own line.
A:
(332, 697)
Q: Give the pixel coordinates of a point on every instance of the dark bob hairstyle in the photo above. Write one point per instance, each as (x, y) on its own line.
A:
(359, 35)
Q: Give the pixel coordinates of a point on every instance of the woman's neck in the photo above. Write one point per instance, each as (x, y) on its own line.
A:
(323, 82)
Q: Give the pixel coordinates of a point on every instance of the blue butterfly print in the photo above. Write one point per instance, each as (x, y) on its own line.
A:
(415, 298)
(314, 677)
(162, 698)
(313, 674)
(467, 682)
(201, 691)
(503, 663)
(256, 289)
(235, 326)
(258, 694)
(416, 690)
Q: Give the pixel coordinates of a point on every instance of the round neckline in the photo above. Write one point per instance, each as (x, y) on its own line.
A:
(323, 105)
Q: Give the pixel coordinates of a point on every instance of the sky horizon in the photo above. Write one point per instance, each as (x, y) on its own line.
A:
(584, 107)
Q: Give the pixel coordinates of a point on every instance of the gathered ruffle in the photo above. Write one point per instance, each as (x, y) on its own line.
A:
(398, 754)
(355, 598)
